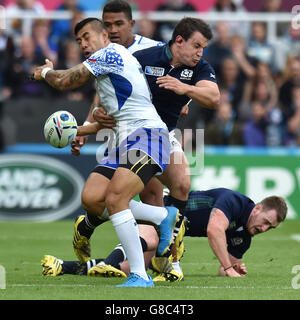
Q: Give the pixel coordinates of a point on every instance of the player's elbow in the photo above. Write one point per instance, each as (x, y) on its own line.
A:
(215, 100)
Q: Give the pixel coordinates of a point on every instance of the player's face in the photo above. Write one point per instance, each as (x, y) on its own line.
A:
(119, 28)
(90, 40)
(261, 220)
(191, 51)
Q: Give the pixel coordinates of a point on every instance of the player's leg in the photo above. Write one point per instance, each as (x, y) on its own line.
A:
(177, 178)
(93, 201)
(117, 259)
(124, 186)
(114, 265)
(152, 193)
(53, 266)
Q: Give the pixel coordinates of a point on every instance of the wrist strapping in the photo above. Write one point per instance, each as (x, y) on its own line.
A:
(44, 72)
(95, 108)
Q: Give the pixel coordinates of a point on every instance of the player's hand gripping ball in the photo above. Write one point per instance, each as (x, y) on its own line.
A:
(60, 129)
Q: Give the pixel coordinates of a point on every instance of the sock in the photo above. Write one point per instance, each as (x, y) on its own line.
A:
(179, 204)
(128, 234)
(77, 267)
(117, 256)
(176, 267)
(87, 226)
(146, 212)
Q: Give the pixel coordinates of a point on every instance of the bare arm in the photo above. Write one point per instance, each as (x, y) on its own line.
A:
(69, 79)
(88, 129)
(217, 225)
(95, 103)
(64, 79)
(205, 92)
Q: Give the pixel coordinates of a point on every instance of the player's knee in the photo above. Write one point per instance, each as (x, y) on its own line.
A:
(152, 242)
(114, 201)
(151, 197)
(181, 187)
(92, 202)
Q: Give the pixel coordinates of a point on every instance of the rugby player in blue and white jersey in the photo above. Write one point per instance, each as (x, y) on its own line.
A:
(185, 52)
(143, 149)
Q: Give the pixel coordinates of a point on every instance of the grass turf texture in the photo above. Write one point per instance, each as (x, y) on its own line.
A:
(269, 263)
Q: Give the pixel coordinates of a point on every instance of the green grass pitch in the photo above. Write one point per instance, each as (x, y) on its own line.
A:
(269, 261)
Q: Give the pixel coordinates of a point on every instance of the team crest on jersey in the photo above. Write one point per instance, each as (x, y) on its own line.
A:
(236, 241)
(154, 71)
(186, 74)
(232, 225)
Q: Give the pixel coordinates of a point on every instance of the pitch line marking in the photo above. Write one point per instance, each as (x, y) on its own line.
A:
(296, 237)
(160, 287)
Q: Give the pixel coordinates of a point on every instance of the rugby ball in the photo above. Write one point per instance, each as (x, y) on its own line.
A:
(60, 129)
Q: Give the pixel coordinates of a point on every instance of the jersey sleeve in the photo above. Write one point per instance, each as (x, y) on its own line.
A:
(205, 72)
(226, 205)
(104, 61)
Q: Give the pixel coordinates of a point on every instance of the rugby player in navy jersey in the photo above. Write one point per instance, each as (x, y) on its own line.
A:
(227, 218)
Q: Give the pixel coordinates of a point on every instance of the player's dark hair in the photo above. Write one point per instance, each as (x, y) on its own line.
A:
(97, 24)
(118, 6)
(276, 203)
(187, 26)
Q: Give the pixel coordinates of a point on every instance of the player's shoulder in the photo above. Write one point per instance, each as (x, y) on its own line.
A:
(150, 52)
(144, 42)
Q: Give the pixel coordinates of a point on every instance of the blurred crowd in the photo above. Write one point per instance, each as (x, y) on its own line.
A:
(259, 81)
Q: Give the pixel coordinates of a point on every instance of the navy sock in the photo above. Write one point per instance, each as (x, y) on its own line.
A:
(87, 226)
(77, 267)
(118, 255)
(179, 204)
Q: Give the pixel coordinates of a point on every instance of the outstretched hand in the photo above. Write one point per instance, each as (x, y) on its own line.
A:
(37, 75)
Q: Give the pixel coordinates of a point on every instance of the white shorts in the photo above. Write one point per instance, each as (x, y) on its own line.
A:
(175, 144)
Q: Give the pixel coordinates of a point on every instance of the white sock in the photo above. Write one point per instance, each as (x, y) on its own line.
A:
(146, 212)
(128, 234)
(177, 267)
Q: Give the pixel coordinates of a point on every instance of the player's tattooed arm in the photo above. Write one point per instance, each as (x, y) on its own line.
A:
(69, 79)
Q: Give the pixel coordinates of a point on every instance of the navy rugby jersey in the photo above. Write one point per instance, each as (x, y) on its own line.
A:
(235, 206)
(155, 62)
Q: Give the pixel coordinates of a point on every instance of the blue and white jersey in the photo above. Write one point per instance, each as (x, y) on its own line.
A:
(141, 43)
(123, 89)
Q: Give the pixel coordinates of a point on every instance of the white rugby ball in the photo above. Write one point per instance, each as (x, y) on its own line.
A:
(60, 129)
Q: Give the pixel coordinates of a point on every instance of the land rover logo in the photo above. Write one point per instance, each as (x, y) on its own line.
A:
(37, 188)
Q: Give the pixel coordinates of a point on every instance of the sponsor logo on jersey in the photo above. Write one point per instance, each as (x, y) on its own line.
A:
(212, 75)
(38, 188)
(186, 74)
(154, 71)
(236, 241)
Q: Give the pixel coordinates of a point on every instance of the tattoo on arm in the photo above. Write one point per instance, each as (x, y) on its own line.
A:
(69, 79)
(213, 213)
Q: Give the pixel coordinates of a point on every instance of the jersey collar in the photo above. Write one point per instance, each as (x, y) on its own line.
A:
(168, 51)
